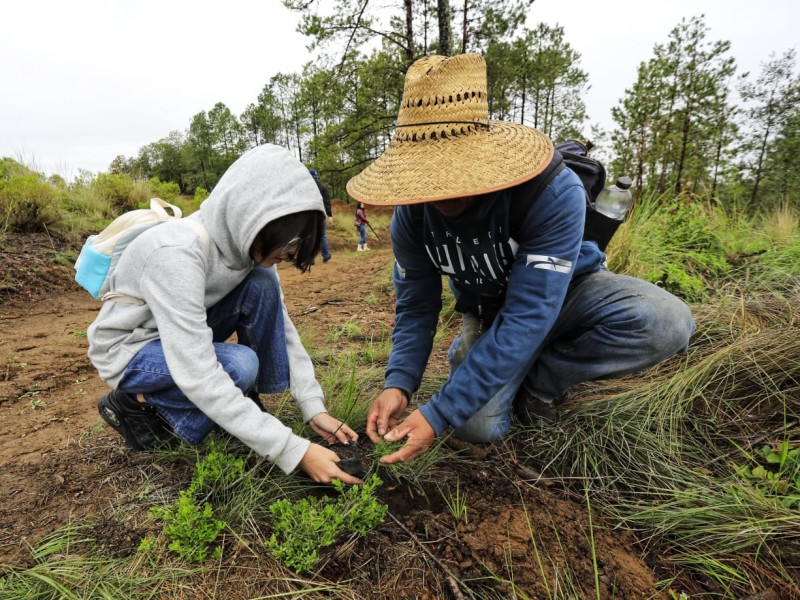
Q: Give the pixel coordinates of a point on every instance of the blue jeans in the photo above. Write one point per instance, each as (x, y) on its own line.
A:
(258, 362)
(326, 253)
(610, 325)
(362, 231)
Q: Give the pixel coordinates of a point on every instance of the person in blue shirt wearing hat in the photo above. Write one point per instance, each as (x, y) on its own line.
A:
(540, 310)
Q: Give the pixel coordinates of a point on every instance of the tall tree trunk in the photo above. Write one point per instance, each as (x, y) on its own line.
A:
(445, 34)
(464, 28)
(759, 168)
(297, 134)
(639, 177)
(717, 161)
(682, 157)
(665, 150)
(550, 109)
(409, 31)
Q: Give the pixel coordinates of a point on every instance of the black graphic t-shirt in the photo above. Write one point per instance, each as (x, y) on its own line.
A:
(475, 251)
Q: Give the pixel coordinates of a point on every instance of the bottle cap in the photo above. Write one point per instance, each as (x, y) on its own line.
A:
(624, 183)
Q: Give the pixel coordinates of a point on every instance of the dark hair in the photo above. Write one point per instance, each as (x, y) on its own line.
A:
(306, 224)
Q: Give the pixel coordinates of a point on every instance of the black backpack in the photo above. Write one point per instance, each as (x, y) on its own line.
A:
(575, 155)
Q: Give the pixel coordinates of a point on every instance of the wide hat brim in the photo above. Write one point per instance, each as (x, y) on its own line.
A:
(488, 159)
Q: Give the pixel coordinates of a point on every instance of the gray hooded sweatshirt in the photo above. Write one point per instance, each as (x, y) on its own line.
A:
(179, 279)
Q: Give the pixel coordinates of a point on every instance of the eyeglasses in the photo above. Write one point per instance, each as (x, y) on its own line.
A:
(288, 251)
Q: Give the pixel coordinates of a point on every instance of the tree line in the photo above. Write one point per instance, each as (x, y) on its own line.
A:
(689, 125)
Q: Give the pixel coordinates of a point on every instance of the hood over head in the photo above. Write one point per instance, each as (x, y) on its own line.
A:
(262, 185)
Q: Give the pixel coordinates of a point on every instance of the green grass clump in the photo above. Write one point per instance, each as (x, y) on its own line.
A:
(64, 568)
(677, 243)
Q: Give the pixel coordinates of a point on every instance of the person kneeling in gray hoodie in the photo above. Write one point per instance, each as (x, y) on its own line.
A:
(161, 346)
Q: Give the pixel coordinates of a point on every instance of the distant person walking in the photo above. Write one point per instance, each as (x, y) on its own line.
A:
(361, 226)
(326, 201)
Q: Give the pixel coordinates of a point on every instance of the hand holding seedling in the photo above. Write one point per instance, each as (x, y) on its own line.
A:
(331, 430)
(385, 413)
(321, 465)
(419, 434)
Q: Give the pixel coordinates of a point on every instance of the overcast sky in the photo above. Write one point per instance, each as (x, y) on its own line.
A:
(82, 81)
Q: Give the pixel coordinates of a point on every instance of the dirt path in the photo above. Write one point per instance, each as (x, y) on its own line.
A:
(50, 432)
(47, 386)
(60, 464)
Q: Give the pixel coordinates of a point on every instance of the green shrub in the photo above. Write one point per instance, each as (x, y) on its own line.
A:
(200, 194)
(302, 528)
(141, 193)
(776, 474)
(215, 471)
(28, 203)
(85, 210)
(675, 241)
(191, 527)
(166, 190)
(9, 167)
(117, 188)
(187, 204)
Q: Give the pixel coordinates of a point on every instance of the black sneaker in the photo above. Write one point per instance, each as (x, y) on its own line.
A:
(531, 410)
(139, 424)
(326, 259)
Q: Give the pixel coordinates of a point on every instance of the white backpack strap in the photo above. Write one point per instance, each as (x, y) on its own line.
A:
(159, 206)
(124, 298)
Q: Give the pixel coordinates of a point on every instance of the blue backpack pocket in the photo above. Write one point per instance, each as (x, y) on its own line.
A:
(91, 268)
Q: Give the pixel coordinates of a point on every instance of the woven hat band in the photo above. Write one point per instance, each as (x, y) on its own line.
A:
(420, 132)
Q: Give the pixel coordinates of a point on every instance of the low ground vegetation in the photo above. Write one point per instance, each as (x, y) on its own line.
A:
(694, 464)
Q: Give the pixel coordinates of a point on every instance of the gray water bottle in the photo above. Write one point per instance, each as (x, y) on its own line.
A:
(615, 200)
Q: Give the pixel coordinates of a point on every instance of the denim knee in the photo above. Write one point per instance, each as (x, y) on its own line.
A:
(665, 323)
(481, 429)
(492, 421)
(240, 363)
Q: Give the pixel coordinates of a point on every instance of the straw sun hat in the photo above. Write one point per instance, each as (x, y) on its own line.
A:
(445, 146)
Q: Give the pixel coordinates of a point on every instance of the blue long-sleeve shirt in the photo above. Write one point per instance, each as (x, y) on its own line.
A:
(527, 275)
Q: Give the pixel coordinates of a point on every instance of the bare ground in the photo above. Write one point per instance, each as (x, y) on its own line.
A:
(59, 464)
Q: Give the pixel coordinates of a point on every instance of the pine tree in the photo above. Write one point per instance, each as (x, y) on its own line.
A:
(671, 125)
(772, 105)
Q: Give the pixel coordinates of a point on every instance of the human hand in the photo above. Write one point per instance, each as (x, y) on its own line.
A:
(420, 436)
(320, 464)
(385, 413)
(331, 430)
(330, 220)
